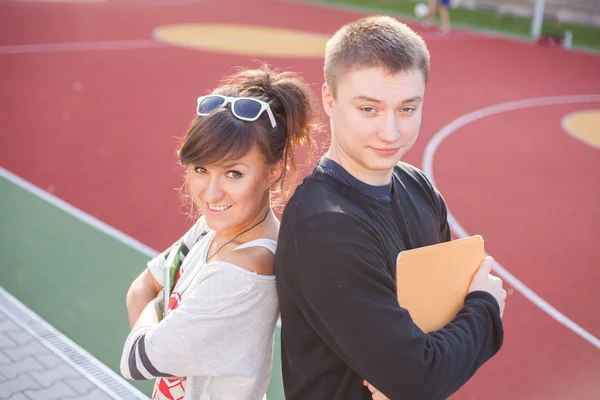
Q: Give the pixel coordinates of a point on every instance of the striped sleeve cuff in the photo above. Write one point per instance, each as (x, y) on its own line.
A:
(135, 363)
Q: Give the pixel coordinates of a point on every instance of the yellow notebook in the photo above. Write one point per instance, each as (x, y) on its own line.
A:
(433, 280)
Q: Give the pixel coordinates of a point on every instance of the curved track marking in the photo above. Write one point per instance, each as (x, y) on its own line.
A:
(452, 127)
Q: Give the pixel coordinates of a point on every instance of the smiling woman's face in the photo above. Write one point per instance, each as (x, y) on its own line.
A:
(232, 193)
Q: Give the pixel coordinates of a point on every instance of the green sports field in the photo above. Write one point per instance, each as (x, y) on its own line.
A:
(63, 267)
(583, 36)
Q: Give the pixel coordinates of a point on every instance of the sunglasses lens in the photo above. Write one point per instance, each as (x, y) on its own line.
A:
(247, 108)
(209, 104)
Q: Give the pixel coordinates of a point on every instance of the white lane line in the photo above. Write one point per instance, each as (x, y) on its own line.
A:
(463, 120)
(77, 213)
(80, 46)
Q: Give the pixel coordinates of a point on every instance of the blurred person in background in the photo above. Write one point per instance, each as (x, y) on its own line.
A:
(444, 7)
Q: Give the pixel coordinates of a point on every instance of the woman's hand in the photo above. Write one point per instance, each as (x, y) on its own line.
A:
(141, 292)
(377, 395)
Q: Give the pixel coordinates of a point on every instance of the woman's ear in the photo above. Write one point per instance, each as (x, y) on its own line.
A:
(275, 173)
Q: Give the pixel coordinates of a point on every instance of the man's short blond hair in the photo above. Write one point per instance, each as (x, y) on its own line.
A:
(374, 42)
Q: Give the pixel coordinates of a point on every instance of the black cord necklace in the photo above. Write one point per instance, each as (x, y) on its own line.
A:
(239, 234)
(220, 248)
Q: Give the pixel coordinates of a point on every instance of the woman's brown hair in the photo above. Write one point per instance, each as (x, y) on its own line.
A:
(220, 136)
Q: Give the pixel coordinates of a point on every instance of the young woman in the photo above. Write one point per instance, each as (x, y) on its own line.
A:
(216, 340)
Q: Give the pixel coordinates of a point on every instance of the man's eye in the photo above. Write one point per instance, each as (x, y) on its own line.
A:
(368, 110)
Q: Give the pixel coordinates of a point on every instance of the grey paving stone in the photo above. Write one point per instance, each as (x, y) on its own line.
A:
(16, 396)
(95, 394)
(7, 325)
(28, 364)
(6, 342)
(50, 360)
(58, 373)
(57, 391)
(19, 353)
(21, 337)
(4, 358)
(31, 371)
(81, 385)
(19, 384)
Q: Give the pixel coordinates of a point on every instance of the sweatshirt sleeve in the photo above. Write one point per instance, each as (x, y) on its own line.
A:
(350, 300)
(438, 201)
(442, 209)
(206, 335)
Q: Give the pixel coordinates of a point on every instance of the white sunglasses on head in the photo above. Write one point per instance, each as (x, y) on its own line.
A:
(244, 108)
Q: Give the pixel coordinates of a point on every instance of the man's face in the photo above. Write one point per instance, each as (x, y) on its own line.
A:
(375, 119)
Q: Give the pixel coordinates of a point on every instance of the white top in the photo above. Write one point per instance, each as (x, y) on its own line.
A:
(220, 336)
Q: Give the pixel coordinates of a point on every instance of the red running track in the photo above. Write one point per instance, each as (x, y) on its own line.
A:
(99, 129)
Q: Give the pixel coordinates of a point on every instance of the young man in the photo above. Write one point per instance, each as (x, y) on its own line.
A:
(346, 223)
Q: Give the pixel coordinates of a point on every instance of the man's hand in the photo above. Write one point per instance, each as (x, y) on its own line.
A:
(377, 395)
(489, 283)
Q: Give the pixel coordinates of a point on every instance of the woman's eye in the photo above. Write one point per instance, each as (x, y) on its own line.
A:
(199, 170)
(234, 174)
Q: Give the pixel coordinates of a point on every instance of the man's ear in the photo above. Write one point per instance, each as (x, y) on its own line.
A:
(328, 99)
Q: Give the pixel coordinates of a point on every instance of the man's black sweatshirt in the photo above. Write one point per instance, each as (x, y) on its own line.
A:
(341, 321)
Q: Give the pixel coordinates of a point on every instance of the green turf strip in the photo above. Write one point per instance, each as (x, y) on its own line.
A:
(74, 276)
(583, 36)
